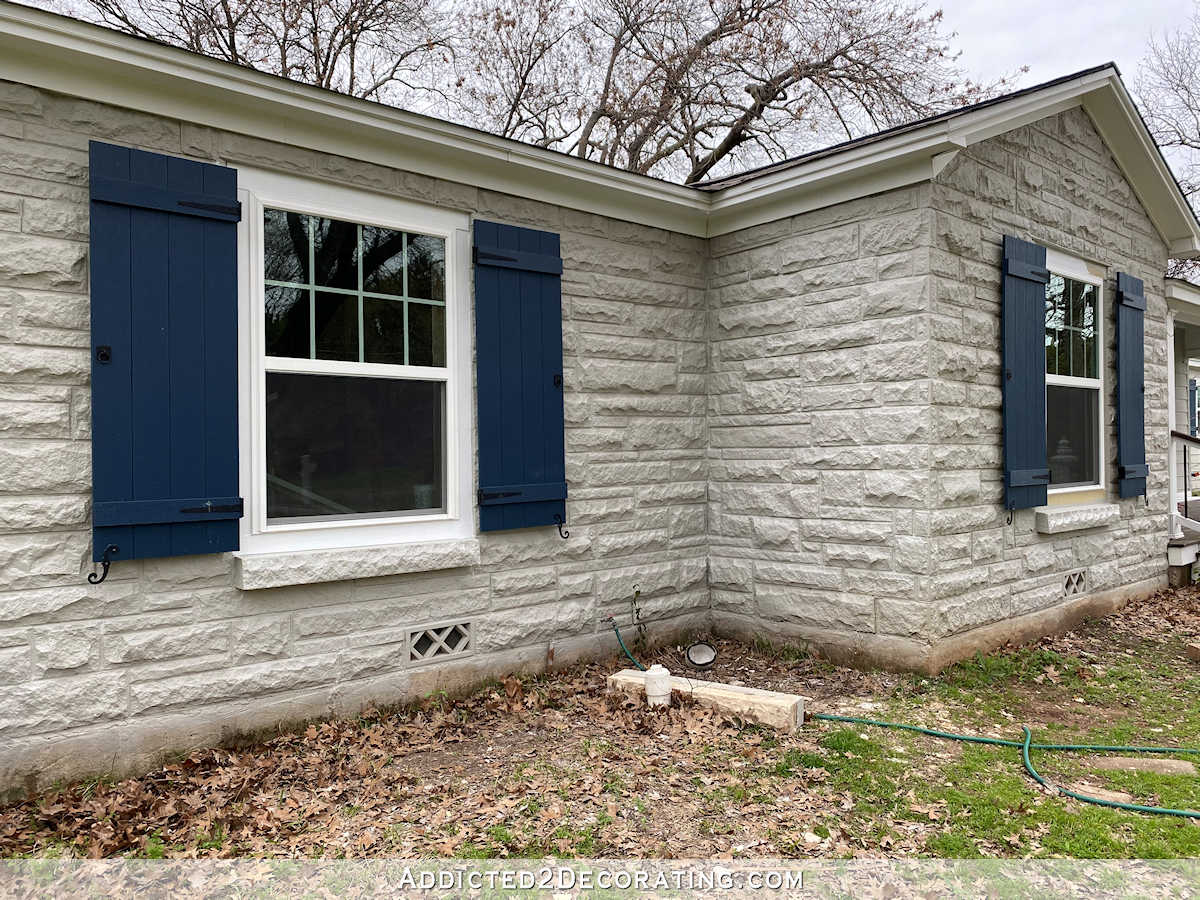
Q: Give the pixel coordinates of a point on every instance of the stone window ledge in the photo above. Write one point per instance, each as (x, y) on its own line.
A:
(1057, 519)
(255, 571)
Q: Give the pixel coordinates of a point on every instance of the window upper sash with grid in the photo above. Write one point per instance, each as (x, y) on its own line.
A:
(338, 290)
(1071, 328)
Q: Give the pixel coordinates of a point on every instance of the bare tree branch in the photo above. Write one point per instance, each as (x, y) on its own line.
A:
(1168, 89)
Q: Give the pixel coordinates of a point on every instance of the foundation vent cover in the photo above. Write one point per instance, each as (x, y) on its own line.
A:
(439, 640)
(1075, 583)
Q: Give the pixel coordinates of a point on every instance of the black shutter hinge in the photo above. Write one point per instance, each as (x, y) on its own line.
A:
(226, 209)
(104, 354)
(211, 507)
(497, 495)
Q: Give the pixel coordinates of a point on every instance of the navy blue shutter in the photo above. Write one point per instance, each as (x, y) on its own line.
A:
(519, 365)
(1192, 407)
(1023, 294)
(164, 355)
(1131, 386)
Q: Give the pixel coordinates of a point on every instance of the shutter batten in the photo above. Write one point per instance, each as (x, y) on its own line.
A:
(164, 355)
(519, 368)
(1026, 471)
(1132, 470)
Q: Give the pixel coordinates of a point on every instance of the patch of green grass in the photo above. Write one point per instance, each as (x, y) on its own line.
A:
(156, 848)
(794, 760)
(213, 839)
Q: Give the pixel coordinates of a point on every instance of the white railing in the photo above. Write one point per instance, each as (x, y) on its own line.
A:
(1184, 458)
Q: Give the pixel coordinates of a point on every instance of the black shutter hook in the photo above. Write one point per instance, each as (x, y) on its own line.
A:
(105, 562)
(562, 532)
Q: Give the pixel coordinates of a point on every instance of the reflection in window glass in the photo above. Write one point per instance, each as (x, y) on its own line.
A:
(426, 335)
(1071, 347)
(383, 261)
(335, 253)
(285, 246)
(1072, 435)
(336, 326)
(383, 332)
(346, 291)
(426, 267)
(287, 325)
(348, 446)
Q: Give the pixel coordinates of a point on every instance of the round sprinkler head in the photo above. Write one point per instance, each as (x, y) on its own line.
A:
(701, 655)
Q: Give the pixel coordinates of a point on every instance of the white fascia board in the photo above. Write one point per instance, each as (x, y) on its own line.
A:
(82, 60)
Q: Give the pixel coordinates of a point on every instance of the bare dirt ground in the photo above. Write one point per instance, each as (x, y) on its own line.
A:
(554, 766)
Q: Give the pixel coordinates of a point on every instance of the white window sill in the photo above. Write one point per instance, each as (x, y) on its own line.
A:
(1058, 519)
(255, 571)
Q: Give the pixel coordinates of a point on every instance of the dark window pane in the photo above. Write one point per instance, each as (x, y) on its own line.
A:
(383, 261)
(335, 253)
(285, 246)
(383, 331)
(426, 335)
(286, 313)
(337, 326)
(341, 446)
(1055, 303)
(1072, 435)
(426, 267)
(1051, 351)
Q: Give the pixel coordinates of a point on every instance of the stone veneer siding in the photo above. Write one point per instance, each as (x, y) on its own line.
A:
(855, 451)
(166, 653)
(792, 429)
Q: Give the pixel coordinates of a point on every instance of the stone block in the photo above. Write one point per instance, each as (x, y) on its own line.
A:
(267, 570)
(41, 262)
(61, 648)
(155, 644)
(59, 703)
(259, 638)
(815, 609)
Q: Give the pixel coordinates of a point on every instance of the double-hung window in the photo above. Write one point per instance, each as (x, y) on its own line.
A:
(355, 339)
(1074, 375)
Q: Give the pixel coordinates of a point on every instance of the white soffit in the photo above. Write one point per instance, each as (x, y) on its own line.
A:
(78, 59)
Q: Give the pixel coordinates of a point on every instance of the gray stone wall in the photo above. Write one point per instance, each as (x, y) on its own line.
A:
(855, 420)
(819, 416)
(166, 653)
(1052, 182)
(793, 430)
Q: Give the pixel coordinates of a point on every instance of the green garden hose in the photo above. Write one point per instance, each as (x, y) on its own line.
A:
(1025, 746)
(632, 658)
(1112, 804)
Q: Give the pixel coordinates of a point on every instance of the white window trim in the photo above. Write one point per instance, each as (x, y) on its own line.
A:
(1078, 269)
(258, 189)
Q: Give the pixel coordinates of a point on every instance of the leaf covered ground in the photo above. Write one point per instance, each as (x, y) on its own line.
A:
(554, 766)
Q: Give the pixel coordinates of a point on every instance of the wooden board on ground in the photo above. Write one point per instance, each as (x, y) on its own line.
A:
(782, 711)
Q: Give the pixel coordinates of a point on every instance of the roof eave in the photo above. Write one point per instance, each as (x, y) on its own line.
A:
(1135, 151)
(84, 60)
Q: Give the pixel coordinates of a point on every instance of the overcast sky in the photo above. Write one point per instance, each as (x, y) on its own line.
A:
(1055, 37)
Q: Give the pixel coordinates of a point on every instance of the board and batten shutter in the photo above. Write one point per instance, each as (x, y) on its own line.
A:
(1192, 407)
(519, 374)
(1023, 298)
(164, 355)
(1131, 386)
